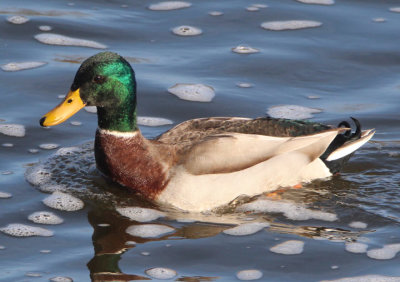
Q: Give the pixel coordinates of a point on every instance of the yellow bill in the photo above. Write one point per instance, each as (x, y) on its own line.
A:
(67, 108)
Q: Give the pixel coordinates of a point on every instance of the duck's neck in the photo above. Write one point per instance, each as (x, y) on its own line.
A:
(120, 119)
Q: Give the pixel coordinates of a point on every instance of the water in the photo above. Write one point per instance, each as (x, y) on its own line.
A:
(351, 63)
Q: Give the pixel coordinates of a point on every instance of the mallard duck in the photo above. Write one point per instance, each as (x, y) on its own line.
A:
(202, 163)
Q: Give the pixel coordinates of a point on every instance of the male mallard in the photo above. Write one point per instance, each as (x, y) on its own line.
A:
(202, 163)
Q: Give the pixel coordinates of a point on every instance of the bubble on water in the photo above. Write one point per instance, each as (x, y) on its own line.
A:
(33, 151)
(249, 274)
(7, 172)
(313, 97)
(246, 228)
(242, 49)
(153, 121)
(67, 151)
(61, 279)
(215, 13)
(2, 247)
(5, 195)
(15, 130)
(290, 210)
(140, 214)
(33, 274)
(22, 230)
(45, 217)
(357, 248)
(57, 39)
(291, 247)
(367, 278)
(62, 201)
(45, 251)
(161, 273)
(244, 85)
(37, 175)
(261, 6)
(193, 92)
(292, 112)
(149, 230)
(318, 2)
(334, 267)
(395, 9)
(17, 19)
(379, 20)
(145, 253)
(76, 123)
(49, 146)
(252, 9)
(289, 25)
(61, 96)
(187, 30)
(45, 28)
(387, 252)
(358, 224)
(18, 66)
(169, 5)
(91, 109)
(7, 145)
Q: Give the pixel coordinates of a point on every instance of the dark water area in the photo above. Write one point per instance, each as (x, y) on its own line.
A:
(351, 63)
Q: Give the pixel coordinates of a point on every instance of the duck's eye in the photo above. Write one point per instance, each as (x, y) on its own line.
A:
(99, 79)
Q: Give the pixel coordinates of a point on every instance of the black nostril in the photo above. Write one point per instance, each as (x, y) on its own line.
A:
(42, 121)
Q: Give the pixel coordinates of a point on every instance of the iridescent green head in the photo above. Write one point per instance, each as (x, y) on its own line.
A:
(107, 81)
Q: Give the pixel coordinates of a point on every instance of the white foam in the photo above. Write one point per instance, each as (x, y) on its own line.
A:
(334, 267)
(130, 243)
(193, 92)
(149, 230)
(62, 96)
(14, 66)
(313, 97)
(76, 123)
(91, 109)
(387, 252)
(57, 39)
(244, 85)
(215, 13)
(169, 5)
(290, 25)
(161, 273)
(45, 251)
(145, 253)
(262, 6)
(45, 28)
(358, 224)
(7, 172)
(290, 210)
(252, 9)
(153, 121)
(22, 230)
(395, 9)
(2, 247)
(357, 248)
(242, 49)
(33, 274)
(246, 228)
(16, 130)
(292, 112)
(49, 146)
(249, 274)
(318, 2)
(5, 195)
(62, 201)
(37, 175)
(45, 217)
(61, 279)
(186, 30)
(379, 20)
(140, 214)
(367, 278)
(291, 247)
(17, 19)
(7, 145)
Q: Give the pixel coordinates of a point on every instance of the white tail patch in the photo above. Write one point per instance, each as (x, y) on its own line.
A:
(349, 148)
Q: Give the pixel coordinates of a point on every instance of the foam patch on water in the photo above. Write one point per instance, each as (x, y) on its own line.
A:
(49, 146)
(45, 28)
(186, 30)
(145, 253)
(387, 252)
(215, 13)
(261, 6)
(61, 279)
(153, 121)
(250, 274)
(149, 230)
(367, 278)
(18, 19)
(290, 210)
(16, 130)
(140, 214)
(395, 9)
(169, 5)
(62, 201)
(244, 85)
(318, 2)
(291, 247)
(292, 112)
(33, 151)
(290, 25)
(242, 49)
(379, 20)
(91, 109)
(252, 9)
(76, 123)
(45, 217)
(22, 66)
(357, 248)
(246, 228)
(22, 230)
(358, 224)
(5, 195)
(161, 273)
(7, 145)
(193, 92)
(57, 39)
